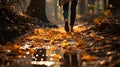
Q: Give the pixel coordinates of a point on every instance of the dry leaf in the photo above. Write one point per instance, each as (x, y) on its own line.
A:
(16, 47)
(89, 58)
(107, 13)
(98, 38)
(21, 52)
(56, 57)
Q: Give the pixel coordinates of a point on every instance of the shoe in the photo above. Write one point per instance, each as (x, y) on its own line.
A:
(66, 26)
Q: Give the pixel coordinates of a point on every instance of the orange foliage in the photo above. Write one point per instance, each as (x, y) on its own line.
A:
(21, 52)
(31, 50)
(16, 46)
(99, 20)
(98, 38)
(92, 34)
(56, 57)
(87, 57)
(53, 48)
(96, 21)
(33, 37)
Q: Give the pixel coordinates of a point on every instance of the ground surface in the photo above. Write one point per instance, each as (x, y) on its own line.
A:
(95, 44)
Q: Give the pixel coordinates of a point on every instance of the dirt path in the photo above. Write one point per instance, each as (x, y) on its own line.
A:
(93, 50)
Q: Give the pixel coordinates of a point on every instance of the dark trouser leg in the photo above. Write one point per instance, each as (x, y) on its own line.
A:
(73, 13)
(65, 14)
(65, 11)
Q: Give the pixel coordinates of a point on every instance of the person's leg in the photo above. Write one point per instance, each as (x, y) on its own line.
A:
(65, 14)
(73, 13)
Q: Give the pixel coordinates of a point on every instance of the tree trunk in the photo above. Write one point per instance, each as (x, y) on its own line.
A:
(105, 4)
(96, 8)
(91, 7)
(81, 8)
(37, 9)
(56, 10)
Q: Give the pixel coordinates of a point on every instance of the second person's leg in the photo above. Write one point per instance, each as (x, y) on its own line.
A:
(73, 13)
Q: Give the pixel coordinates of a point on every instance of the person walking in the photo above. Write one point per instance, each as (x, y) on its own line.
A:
(65, 5)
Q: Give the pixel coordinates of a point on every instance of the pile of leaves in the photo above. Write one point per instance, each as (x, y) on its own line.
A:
(109, 23)
(13, 25)
(104, 36)
(99, 44)
(106, 23)
(94, 48)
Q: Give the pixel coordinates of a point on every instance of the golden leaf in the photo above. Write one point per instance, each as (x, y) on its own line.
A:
(107, 13)
(56, 57)
(98, 38)
(53, 48)
(98, 20)
(33, 37)
(89, 58)
(16, 46)
(92, 34)
(79, 41)
(21, 52)
(31, 50)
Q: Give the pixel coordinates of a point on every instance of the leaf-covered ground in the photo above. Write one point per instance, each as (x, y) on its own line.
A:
(96, 42)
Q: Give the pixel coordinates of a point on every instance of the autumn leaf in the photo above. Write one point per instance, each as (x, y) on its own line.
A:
(89, 58)
(52, 48)
(33, 37)
(98, 20)
(31, 50)
(92, 34)
(107, 13)
(80, 42)
(56, 57)
(98, 38)
(16, 46)
(21, 52)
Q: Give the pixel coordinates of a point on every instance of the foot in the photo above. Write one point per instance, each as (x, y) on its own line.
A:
(71, 29)
(66, 26)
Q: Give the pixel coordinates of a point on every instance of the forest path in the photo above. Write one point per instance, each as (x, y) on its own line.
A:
(93, 50)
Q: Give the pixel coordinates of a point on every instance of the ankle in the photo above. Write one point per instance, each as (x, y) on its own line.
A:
(71, 29)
